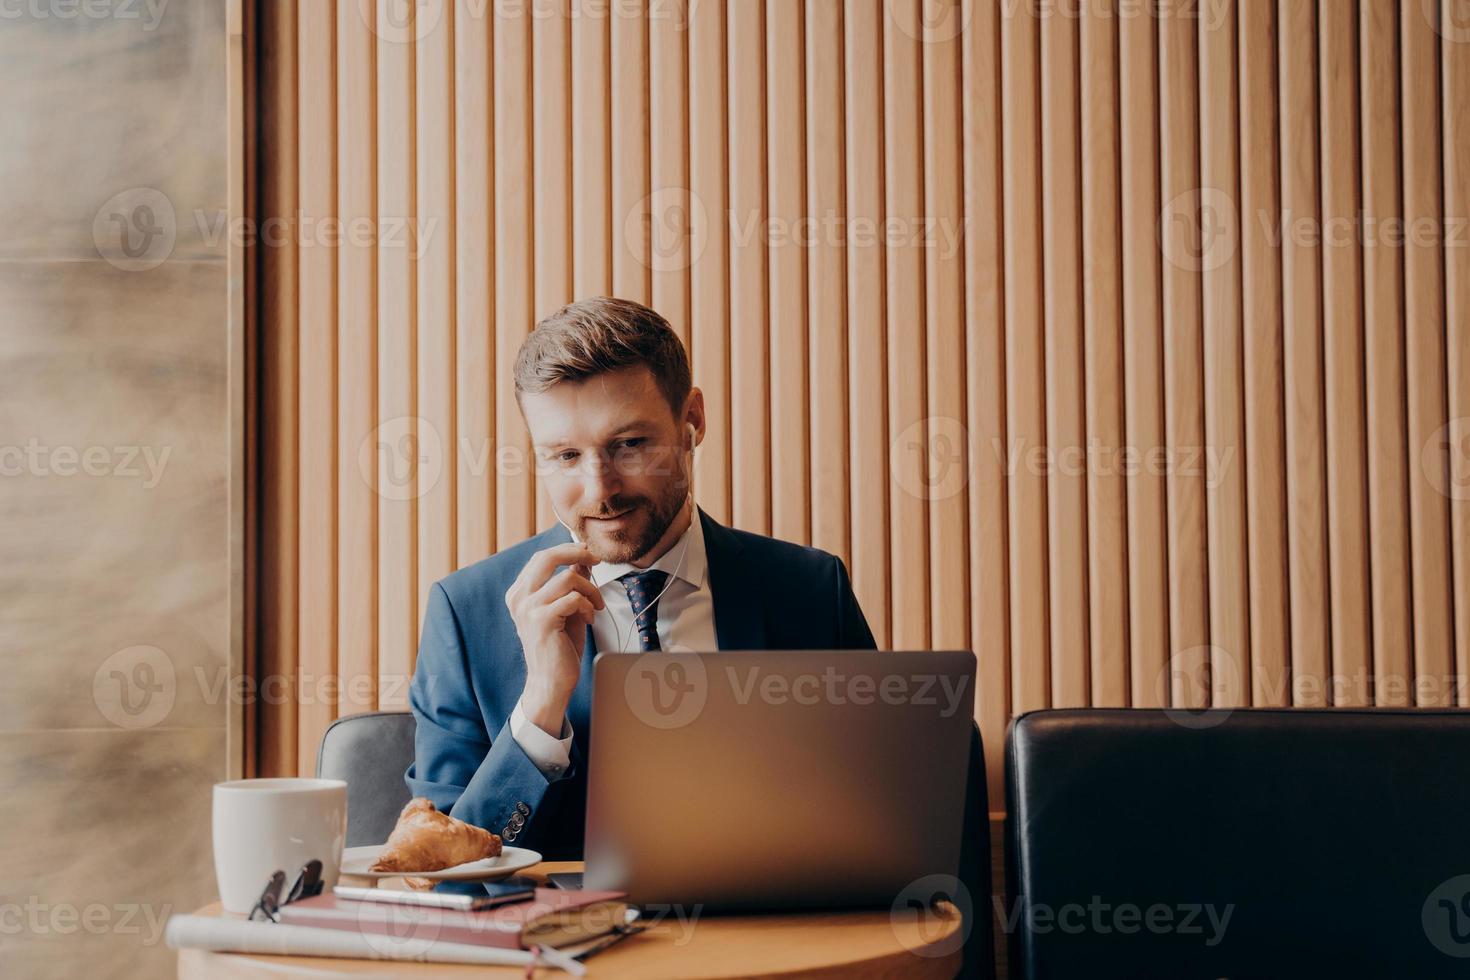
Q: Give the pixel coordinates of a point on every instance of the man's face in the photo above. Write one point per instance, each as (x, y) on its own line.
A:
(611, 454)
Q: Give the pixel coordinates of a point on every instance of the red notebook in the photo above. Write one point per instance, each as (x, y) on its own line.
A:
(555, 917)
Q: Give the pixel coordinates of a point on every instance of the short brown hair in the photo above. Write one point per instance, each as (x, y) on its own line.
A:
(593, 336)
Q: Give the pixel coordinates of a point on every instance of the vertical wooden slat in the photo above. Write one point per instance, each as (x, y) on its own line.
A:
(1025, 359)
(356, 556)
(1066, 423)
(551, 106)
(710, 294)
(903, 142)
(1184, 252)
(276, 716)
(786, 177)
(591, 157)
(944, 347)
(750, 398)
(667, 222)
(826, 278)
(317, 663)
(1107, 519)
(631, 150)
(475, 378)
(514, 234)
(434, 361)
(985, 396)
(394, 455)
(1301, 276)
(1424, 356)
(1455, 90)
(1265, 434)
(867, 377)
(1143, 398)
(1383, 297)
(1224, 458)
(1342, 316)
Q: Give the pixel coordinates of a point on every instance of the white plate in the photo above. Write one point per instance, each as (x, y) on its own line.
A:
(357, 860)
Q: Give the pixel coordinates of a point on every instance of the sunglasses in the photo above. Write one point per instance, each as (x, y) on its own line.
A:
(308, 885)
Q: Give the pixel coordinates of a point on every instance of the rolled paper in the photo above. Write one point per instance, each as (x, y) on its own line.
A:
(226, 935)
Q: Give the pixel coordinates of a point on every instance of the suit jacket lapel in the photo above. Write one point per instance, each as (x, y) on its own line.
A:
(740, 617)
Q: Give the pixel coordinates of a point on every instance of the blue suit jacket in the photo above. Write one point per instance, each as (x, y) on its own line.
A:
(767, 594)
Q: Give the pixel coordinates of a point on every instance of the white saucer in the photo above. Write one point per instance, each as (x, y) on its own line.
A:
(357, 860)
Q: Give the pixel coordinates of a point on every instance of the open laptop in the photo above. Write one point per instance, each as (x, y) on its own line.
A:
(776, 779)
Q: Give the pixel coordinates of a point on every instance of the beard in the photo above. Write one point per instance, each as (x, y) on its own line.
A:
(648, 520)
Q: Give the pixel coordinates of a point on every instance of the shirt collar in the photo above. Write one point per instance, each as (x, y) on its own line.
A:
(690, 545)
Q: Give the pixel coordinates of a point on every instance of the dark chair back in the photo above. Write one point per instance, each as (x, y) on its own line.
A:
(1252, 843)
(371, 752)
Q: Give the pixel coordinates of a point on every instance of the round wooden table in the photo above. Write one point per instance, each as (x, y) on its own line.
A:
(806, 944)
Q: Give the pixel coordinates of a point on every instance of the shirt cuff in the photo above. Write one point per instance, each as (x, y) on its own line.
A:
(551, 755)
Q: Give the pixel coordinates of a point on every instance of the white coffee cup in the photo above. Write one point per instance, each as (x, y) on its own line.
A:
(262, 826)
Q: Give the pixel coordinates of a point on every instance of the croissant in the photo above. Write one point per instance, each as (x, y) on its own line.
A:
(427, 840)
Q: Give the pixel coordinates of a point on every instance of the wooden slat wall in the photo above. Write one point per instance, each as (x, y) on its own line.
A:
(1082, 332)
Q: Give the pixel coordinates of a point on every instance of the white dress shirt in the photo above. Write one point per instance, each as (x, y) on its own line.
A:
(686, 622)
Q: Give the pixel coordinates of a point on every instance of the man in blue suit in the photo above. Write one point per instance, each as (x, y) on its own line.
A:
(503, 684)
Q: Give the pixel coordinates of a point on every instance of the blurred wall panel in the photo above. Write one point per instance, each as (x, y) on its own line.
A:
(122, 345)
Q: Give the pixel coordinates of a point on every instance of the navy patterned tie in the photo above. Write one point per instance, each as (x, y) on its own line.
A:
(644, 589)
